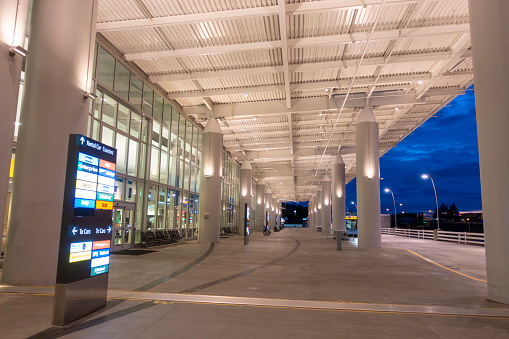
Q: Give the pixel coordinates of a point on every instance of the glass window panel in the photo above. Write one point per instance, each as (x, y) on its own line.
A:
(165, 136)
(143, 160)
(123, 118)
(154, 164)
(132, 168)
(189, 132)
(135, 91)
(198, 158)
(89, 125)
(198, 181)
(139, 205)
(187, 175)
(184, 210)
(119, 188)
(96, 130)
(148, 99)
(200, 133)
(121, 147)
(195, 136)
(158, 107)
(187, 155)
(122, 80)
(106, 69)
(144, 129)
(163, 173)
(177, 208)
(180, 148)
(161, 208)
(175, 118)
(156, 133)
(167, 115)
(173, 144)
(171, 220)
(130, 191)
(135, 124)
(173, 171)
(108, 136)
(193, 179)
(109, 112)
(182, 127)
(151, 207)
(98, 103)
(179, 174)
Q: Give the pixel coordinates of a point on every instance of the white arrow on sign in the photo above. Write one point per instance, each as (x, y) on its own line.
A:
(109, 229)
(74, 230)
(82, 139)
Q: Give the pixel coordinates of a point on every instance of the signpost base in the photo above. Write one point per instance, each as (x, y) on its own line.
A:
(79, 298)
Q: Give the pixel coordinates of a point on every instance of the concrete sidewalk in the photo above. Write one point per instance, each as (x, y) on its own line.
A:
(291, 284)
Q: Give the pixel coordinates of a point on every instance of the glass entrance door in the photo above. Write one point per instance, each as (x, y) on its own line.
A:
(123, 235)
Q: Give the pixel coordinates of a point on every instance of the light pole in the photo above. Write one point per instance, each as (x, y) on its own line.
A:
(353, 203)
(426, 176)
(388, 190)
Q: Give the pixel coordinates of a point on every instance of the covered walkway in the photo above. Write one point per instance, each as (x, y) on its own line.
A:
(292, 284)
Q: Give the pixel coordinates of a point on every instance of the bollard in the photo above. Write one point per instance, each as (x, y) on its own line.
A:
(338, 239)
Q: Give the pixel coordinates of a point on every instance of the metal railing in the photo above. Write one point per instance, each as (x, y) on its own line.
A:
(456, 237)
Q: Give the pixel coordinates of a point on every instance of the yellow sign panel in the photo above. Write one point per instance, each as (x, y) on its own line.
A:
(80, 256)
(11, 170)
(104, 205)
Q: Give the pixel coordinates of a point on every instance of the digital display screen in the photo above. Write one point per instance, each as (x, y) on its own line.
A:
(86, 232)
(95, 182)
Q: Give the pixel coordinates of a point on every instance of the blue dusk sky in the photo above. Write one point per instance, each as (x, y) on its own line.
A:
(447, 145)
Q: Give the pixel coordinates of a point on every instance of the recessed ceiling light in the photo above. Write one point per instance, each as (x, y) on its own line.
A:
(245, 95)
(397, 108)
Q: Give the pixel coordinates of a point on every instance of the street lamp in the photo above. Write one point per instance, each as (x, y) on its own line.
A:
(388, 190)
(426, 176)
(353, 203)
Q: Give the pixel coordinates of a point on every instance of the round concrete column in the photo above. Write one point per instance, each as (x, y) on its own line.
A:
(61, 48)
(368, 180)
(268, 207)
(246, 178)
(490, 45)
(326, 204)
(13, 19)
(338, 194)
(319, 209)
(275, 222)
(210, 183)
(260, 206)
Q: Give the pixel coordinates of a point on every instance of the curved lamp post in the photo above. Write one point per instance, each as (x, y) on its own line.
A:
(426, 176)
(388, 190)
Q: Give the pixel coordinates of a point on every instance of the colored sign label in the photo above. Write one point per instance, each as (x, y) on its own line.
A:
(87, 168)
(104, 197)
(106, 173)
(100, 253)
(80, 256)
(84, 194)
(88, 159)
(82, 203)
(104, 205)
(99, 270)
(86, 185)
(106, 181)
(105, 189)
(80, 175)
(99, 245)
(81, 246)
(106, 164)
(96, 262)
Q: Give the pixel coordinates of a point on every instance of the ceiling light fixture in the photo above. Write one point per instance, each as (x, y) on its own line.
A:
(89, 95)
(18, 50)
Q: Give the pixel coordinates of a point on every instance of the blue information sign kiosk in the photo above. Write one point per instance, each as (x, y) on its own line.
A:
(85, 236)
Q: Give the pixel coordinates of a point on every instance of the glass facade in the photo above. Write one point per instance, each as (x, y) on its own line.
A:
(159, 151)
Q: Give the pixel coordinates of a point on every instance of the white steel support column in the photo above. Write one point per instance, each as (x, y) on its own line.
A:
(490, 46)
(368, 180)
(246, 178)
(57, 75)
(273, 212)
(13, 17)
(310, 213)
(210, 183)
(326, 204)
(314, 210)
(260, 206)
(338, 194)
(268, 206)
(319, 209)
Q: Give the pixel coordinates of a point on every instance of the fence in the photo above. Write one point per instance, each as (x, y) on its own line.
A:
(456, 237)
